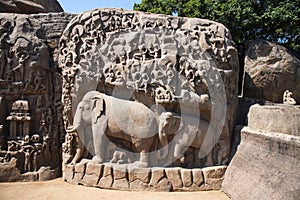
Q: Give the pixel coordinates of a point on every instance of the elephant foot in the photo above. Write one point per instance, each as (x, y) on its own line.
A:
(139, 164)
(97, 159)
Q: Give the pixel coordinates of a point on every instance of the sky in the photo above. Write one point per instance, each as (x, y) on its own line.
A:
(79, 6)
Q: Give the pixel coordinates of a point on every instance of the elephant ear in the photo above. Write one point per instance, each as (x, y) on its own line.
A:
(177, 123)
(97, 109)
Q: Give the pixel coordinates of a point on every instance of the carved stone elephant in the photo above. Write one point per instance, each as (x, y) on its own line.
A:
(99, 116)
(193, 133)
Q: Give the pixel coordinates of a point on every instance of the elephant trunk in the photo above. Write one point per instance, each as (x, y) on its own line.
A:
(164, 142)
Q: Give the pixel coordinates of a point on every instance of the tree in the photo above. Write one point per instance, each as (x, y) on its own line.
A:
(274, 20)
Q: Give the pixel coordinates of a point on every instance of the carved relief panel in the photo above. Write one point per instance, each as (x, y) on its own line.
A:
(30, 117)
(183, 70)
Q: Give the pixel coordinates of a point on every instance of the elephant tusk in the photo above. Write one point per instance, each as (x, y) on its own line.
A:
(71, 129)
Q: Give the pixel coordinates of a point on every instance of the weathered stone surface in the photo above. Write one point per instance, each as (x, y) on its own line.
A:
(107, 178)
(31, 176)
(68, 173)
(120, 175)
(90, 180)
(198, 177)
(93, 173)
(138, 185)
(141, 174)
(120, 172)
(174, 176)
(164, 185)
(121, 184)
(30, 6)
(46, 173)
(213, 177)
(30, 83)
(123, 177)
(266, 166)
(80, 167)
(142, 60)
(187, 177)
(157, 174)
(271, 69)
(275, 118)
(93, 168)
(9, 172)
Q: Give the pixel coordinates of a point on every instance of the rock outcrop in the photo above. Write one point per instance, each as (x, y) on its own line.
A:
(266, 165)
(270, 70)
(29, 6)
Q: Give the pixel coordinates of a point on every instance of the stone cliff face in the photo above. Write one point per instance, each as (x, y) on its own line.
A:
(29, 6)
(30, 89)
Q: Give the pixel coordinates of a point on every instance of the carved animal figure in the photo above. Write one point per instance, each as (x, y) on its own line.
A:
(98, 116)
(192, 133)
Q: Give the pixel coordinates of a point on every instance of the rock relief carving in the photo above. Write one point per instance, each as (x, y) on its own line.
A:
(30, 103)
(161, 62)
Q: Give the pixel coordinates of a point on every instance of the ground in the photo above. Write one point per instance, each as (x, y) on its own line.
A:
(59, 190)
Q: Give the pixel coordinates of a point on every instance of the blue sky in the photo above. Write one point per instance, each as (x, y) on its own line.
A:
(79, 6)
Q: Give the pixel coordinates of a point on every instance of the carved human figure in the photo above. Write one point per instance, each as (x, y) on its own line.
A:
(19, 69)
(46, 149)
(36, 160)
(28, 158)
(39, 81)
(288, 98)
(3, 60)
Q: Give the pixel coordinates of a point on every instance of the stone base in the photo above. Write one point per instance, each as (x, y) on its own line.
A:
(266, 166)
(124, 177)
(10, 173)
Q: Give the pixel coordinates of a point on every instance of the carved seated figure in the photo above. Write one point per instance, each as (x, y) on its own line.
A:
(288, 99)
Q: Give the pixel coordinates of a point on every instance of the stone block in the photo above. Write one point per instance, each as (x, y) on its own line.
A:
(138, 185)
(275, 118)
(141, 174)
(9, 172)
(213, 177)
(30, 176)
(90, 180)
(197, 177)
(46, 173)
(174, 176)
(120, 172)
(187, 177)
(157, 174)
(68, 173)
(93, 168)
(121, 184)
(106, 180)
(164, 185)
(80, 167)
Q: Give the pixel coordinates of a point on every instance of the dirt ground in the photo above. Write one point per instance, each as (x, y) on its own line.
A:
(59, 190)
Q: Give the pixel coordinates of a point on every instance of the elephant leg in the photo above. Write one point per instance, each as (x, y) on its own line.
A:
(197, 160)
(143, 146)
(100, 140)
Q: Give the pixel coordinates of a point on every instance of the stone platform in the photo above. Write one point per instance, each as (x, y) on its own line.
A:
(266, 165)
(123, 177)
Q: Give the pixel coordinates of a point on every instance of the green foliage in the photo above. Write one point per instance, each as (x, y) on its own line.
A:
(274, 20)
